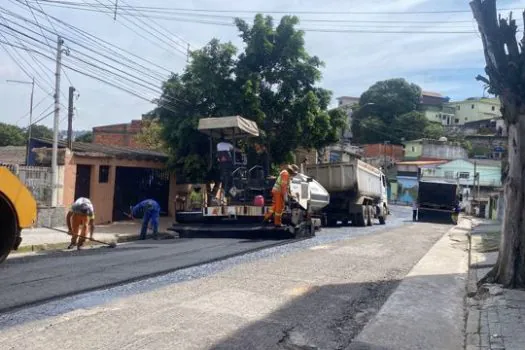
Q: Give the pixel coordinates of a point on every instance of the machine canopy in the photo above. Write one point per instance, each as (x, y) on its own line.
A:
(228, 127)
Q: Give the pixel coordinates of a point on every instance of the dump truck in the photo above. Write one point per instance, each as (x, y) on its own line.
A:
(437, 200)
(358, 192)
(241, 208)
(17, 211)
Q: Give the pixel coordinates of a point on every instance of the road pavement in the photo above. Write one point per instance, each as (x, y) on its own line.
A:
(314, 294)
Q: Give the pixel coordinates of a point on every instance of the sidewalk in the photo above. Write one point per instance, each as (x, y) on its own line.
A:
(426, 311)
(40, 238)
(495, 315)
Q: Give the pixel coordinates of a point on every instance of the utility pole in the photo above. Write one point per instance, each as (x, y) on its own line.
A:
(54, 156)
(70, 119)
(30, 121)
(474, 181)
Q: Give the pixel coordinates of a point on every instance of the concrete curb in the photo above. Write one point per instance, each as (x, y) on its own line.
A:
(33, 248)
(427, 309)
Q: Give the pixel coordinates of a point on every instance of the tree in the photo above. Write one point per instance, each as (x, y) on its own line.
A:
(11, 135)
(272, 81)
(505, 68)
(40, 132)
(388, 111)
(87, 137)
(391, 98)
(150, 136)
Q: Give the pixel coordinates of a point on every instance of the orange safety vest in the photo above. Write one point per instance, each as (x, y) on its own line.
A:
(281, 184)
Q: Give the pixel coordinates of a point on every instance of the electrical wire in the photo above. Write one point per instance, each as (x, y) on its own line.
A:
(92, 39)
(165, 9)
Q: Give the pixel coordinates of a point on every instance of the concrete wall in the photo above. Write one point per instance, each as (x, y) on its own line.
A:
(395, 152)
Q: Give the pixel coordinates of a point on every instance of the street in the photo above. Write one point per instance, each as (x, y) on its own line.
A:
(312, 294)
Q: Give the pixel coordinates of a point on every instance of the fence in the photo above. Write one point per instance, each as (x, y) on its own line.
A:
(37, 180)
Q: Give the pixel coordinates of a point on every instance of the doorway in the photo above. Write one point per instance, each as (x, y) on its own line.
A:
(83, 181)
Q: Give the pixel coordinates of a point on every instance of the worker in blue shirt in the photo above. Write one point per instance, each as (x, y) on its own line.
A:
(151, 210)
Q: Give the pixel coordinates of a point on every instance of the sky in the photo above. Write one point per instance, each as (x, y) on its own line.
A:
(442, 62)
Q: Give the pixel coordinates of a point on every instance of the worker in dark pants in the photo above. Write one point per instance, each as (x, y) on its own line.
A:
(414, 211)
(151, 210)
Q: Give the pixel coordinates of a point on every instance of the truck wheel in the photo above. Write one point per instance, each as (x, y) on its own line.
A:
(382, 220)
(346, 222)
(8, 229)
(331, 222)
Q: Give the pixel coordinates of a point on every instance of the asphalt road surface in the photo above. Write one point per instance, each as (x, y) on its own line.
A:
(313, 294)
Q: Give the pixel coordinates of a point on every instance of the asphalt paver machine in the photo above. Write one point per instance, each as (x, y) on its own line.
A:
(240, 207)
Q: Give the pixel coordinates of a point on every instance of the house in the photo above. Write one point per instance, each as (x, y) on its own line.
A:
(112, 177)
(428, 149)
(433, 105)
(478, 179)
(346, 103)
(474, 109)
(383, 152)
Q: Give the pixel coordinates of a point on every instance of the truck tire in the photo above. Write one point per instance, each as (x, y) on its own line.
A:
(382, 220)
(8, 228)
(361, 217)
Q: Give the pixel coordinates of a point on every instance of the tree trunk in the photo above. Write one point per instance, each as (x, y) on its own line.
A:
(505, 67)
(510, 266)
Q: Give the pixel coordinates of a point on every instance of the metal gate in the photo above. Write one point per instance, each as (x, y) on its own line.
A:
(133, 185)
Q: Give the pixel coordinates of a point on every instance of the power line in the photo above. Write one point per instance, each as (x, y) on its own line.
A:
(165, 9)
(321, 30)
(147, 31)
(34, 107)
(93, 39)
(158, 80)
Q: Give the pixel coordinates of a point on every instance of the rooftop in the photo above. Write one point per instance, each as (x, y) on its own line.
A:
(13, 154)
(422, 162)
(347, 98)
(486, 162)
(97, 150)
(431, 93)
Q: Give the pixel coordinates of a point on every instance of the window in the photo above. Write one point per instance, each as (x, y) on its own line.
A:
(472, 106)
(464, 175)
(458, 108)
(457, 120)
(449, 174)
(493, 108)
(413, 149)
(103, 174)
(466, 118)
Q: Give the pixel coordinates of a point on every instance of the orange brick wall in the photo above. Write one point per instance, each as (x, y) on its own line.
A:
(380, 150)
(118, 134)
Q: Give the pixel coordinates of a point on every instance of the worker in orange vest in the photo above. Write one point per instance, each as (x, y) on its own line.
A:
(280, 192)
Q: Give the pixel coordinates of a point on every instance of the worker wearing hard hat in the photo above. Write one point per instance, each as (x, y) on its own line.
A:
(280, 193)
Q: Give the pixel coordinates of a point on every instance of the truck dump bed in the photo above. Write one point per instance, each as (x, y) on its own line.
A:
(355, 176)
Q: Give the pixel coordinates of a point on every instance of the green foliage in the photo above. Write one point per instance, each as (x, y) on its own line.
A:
(40, 132)
(150, 136)
(87, 137)
(272, 81)
(11, 135)
(388, 111)
(434, 130)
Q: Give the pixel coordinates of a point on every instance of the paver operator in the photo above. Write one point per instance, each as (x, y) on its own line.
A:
(280, 192)
(80, 215)
(151, 210)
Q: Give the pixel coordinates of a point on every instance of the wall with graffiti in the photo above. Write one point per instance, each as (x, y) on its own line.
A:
(407, 188)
